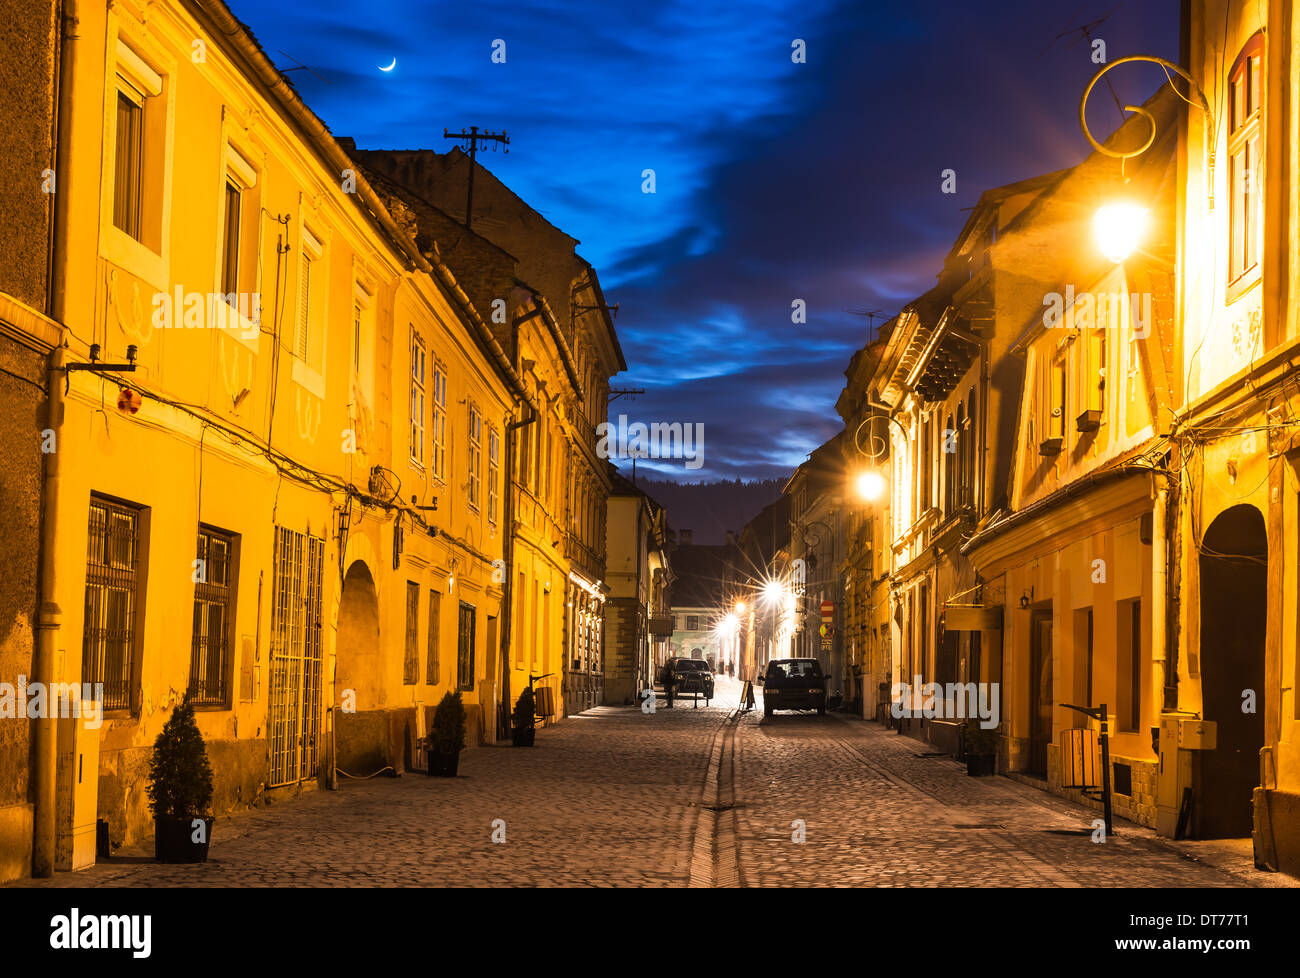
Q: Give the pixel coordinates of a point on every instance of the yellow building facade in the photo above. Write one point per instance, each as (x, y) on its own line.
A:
(291, 456)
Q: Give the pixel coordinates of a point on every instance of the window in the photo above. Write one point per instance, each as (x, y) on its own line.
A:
(532, 621)
(465, 647)
(951, 437)
(356, 337)
(128, 203)
(521, 599)
(692, 623)
(417, 398)
(230, 243)
(1058, 408)
(411, 661)
(432, 667)
(923, 450)
(966, 455)
(363, 349)
(310, 329)
(475, 441)
(1094, 381)
(494, 453)
(924, 625)
(108, 633)
(302, 340)
(547, 468)
(210, 637)
(439, 434)
(136, 157)
(1245, 200)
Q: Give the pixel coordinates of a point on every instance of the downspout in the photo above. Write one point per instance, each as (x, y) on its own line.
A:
(508, 589)
(50, 616)
(1159, 602)
(47, 634)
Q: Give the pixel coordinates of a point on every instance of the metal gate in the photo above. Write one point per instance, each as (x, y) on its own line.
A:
(296, 660)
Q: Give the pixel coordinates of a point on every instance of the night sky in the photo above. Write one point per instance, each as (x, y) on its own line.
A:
(775, 181)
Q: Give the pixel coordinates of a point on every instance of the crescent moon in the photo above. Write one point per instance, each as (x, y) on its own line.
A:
(390, 67)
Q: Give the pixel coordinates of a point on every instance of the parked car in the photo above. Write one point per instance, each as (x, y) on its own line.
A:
(693, 676)
(794, 684)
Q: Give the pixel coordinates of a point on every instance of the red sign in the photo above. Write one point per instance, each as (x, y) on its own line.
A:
(828, 609)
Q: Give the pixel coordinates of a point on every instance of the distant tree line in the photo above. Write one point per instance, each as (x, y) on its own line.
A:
(710, 509)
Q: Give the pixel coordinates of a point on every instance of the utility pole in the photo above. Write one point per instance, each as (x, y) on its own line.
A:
(473, 137)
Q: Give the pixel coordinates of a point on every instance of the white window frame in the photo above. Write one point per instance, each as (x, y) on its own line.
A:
(417, 401)
(474, 454)
(238, 170)
(138, 67)
(438, 436)
(493, 471)
(309, 364)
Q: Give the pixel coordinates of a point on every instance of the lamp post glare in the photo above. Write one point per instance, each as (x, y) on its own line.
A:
(871, 486)
(1119, 228)
(772, 591)
(740, 607)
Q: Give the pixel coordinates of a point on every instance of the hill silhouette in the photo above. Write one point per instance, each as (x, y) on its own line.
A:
(710, 509)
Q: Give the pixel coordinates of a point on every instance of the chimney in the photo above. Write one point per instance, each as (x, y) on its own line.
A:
(684, 537)
(731, 538)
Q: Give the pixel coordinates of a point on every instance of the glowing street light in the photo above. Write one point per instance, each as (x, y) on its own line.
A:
(740, 607)
(1119, 228)
(871, 486)
(772, 591)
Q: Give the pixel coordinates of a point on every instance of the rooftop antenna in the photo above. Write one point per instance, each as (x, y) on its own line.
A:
(299, 66)
(473, 137)
(630, 392)
(871, 315)
(1085, 32)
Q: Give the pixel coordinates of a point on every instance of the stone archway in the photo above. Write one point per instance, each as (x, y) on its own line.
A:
(1234, 618)
(362, 733)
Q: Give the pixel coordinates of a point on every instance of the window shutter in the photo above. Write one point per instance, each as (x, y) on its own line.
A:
(304, 309)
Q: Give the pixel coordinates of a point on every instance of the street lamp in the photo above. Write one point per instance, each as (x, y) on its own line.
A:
(871, 485)
(1120, 226)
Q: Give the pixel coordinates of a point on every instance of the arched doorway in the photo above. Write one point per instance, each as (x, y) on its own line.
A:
(1234, 618)
(361, 732)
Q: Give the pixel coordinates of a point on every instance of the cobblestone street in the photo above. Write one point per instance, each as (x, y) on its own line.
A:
(616, 797)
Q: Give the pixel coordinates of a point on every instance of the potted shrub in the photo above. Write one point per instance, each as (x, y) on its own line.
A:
(180, 790)
(447, 738)
(981, 749)
(523, 729)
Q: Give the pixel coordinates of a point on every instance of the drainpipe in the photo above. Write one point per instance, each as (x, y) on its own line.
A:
(47, 632)
(1159, 594)
(50, 617)
(508, 546)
